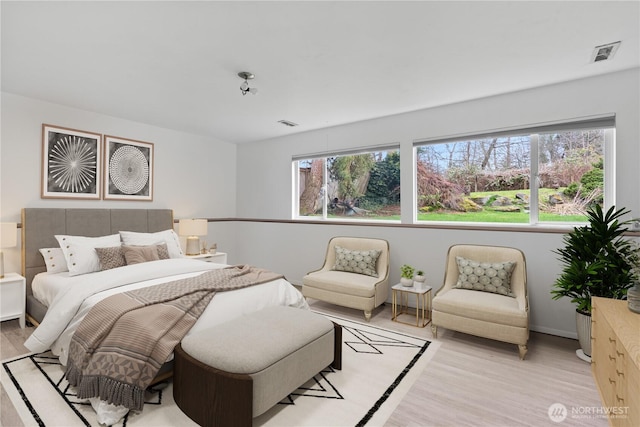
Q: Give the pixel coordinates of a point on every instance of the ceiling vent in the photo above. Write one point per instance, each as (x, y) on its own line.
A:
(604, 52)
(287, 123)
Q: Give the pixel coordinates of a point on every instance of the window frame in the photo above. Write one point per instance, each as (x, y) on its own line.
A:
(295, 170)
(605, 122)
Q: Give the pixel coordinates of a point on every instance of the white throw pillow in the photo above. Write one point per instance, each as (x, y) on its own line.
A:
(54, 260)
(80, 253)
(132, 238)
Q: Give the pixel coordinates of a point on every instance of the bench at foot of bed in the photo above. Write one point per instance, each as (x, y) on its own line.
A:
(233, 372)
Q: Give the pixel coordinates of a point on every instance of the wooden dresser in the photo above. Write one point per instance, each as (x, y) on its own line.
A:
(615, 359)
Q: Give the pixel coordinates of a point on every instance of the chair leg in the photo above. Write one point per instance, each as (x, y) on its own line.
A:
(434, 330)
(522, 349)
(367, 315)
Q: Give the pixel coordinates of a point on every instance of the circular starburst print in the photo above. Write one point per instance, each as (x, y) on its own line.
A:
(129, 169)
(72, 164)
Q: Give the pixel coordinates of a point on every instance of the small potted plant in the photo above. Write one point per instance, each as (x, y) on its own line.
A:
(419, 279)
(406, 275)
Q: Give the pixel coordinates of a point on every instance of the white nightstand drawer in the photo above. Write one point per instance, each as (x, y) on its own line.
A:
(217, 258)
(12, 297)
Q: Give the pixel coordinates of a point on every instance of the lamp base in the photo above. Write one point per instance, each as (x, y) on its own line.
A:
(193, 245)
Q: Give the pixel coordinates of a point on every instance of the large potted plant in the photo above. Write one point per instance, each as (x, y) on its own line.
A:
(596, 261)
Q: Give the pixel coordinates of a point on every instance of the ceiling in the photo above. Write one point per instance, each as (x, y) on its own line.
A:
(317, 64)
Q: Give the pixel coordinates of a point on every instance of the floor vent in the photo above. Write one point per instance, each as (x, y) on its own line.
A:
(287, 123)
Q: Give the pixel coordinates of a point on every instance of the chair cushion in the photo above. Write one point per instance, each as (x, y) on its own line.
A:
(485, 306)
(485, 276)
(342, 282)
(355, 261)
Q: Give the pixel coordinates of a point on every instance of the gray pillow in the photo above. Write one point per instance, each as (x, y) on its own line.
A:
(163, 251)
(140, 254)
(492, 277)
(361, 262)
(112, 257)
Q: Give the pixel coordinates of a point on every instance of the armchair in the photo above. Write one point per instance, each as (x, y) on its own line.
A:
(351, 289)
(485, 314)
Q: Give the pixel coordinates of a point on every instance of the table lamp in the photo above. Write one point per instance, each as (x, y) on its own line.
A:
(193, 228)
(8, 239)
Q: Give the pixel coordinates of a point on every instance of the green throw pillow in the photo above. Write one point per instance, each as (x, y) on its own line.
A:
(361, 262)
(492, 277)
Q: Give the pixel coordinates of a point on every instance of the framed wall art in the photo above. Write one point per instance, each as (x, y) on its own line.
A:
(128, 169)
(71, 161)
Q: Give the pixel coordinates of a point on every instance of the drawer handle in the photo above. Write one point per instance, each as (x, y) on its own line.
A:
(619, 354)
(620, 399)
(611, 340)
(620, 373)
(611, 381)
(611, 357)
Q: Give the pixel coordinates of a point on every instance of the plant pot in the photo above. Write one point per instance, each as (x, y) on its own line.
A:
(583, 327)
(406, 282)
(419, 282)
(633, 298)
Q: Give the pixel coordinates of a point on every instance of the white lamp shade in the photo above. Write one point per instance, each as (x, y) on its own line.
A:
(8, 234)
(193, 227)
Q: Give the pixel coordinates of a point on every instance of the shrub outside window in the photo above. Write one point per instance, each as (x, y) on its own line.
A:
(361, 185)
(543, 176)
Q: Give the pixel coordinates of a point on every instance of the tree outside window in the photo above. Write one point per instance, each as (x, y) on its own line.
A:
(352, 186)
(495, 179)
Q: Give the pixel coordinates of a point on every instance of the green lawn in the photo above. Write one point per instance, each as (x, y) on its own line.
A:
(488, 214)
(491, 215)
(494, 216)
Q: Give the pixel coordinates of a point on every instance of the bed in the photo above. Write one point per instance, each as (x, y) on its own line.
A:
(57, 301)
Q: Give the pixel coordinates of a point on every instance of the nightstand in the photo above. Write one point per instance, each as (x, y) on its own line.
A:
(13, 297)
(217, 258)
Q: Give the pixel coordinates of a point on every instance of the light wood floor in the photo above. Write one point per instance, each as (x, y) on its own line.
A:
(469, 382)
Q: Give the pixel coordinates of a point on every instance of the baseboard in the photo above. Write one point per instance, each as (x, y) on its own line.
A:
(556, 332)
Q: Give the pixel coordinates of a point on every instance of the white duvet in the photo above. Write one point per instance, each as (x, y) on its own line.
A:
(77, 294)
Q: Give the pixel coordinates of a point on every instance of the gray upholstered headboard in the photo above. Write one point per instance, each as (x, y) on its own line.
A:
(40, 225)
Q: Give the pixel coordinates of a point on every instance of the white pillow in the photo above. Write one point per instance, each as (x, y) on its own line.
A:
(80, 254)
(54, 260)
(132, 238)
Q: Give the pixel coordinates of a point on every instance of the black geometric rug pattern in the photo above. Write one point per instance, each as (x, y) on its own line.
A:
(359, 340)
(44, 362)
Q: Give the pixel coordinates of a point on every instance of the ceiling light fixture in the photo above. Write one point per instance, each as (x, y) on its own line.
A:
(244, 87)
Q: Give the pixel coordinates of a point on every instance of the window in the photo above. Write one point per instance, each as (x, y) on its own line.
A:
(549, 174)
(361, 185)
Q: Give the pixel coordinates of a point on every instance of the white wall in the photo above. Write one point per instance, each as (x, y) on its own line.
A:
(294, 249)
(194, 175)
(200, 177)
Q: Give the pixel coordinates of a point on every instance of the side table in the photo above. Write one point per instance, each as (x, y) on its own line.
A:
(13, 297)
(400, 304)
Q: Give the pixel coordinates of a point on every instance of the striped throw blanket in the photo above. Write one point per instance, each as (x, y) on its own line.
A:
(123, 341)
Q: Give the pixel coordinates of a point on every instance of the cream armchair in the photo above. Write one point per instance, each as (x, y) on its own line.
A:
(485, 314)
(349, 289)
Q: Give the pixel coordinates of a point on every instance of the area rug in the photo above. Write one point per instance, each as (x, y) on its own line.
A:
(378, 368)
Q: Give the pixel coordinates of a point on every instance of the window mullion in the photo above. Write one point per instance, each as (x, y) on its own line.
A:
(325, 189)
(609, 168)
(534, 178)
